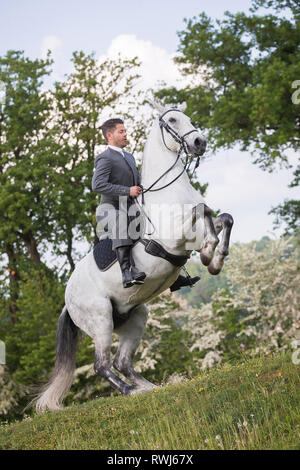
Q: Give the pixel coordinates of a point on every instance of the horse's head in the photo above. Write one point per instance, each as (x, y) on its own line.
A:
(176, 127)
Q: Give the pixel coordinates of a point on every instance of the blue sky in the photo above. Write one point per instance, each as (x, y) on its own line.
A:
(92, 24)
(147, 28)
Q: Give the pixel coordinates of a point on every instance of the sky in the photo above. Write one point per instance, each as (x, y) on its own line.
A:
(147, 29)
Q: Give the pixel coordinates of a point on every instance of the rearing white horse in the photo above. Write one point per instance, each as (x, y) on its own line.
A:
(97, 303)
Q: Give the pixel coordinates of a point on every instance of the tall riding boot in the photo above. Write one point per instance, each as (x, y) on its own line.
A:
(137, 276)
(123, 256)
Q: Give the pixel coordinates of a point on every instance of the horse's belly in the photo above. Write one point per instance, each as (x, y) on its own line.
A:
(88, 285)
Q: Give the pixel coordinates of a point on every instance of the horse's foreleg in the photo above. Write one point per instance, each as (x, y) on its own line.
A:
(222, 222)
(130, 334)
(211, 240)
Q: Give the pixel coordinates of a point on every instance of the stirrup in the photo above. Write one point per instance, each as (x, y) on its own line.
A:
(182, 281)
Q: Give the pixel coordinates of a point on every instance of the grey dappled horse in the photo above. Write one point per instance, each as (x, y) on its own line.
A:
(94, 299)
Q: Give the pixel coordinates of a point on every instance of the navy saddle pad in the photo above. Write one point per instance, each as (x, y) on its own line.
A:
(104, 255)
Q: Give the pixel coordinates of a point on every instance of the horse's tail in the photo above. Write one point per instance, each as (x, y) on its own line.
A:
(55, 390)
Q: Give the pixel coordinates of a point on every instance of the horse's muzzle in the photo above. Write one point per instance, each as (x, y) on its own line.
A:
(199, 146)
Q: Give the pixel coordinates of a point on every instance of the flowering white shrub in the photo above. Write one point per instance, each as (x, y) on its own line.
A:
(263, 291)
(265, 284)
(10, 393)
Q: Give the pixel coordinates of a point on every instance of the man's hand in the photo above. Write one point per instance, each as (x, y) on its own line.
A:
(135, 191)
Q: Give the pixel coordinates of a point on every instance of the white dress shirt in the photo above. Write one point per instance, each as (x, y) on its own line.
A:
(118, 149)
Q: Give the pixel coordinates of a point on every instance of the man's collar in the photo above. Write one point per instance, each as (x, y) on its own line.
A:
(118, 149)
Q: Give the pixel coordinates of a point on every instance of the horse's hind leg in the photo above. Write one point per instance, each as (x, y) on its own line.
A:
(130, 334)
(97, 322)
(103, 367)
(222, 222)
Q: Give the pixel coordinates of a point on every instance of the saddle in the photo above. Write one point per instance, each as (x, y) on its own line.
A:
(105, 256)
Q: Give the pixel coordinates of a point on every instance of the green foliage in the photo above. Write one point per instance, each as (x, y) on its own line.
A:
(30, 341)
(203, 289)
(174, 355)
(288, 212)
(48, 141)
(245, 68)
(229, 320)
(249, 64)
(11, 394)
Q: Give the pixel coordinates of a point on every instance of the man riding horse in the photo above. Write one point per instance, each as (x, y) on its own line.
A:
(117, 179)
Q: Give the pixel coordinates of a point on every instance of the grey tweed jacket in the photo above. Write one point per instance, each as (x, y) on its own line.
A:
(114, 175)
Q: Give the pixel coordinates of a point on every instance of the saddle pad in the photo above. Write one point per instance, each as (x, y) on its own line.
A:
(104, 255)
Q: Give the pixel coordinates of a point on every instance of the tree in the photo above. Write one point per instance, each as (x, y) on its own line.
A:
(246, 69)
(78, 105)
(22, 212)
(48, 141)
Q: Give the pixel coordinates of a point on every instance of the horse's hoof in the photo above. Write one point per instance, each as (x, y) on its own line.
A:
(141, 390)
(205, 259)
(213, 270)
(130, 390)
(216, 264)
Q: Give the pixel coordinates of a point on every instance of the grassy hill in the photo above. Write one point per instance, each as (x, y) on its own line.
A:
(253, 405)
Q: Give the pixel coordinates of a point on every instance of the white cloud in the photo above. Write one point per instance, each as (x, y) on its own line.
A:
(241, 188)
(53, 43)
(156, 63)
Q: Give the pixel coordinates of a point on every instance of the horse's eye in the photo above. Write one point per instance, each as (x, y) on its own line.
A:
(172, 120)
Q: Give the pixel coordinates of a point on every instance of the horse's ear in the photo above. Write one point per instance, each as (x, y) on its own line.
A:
(157, 106)
(182, 106)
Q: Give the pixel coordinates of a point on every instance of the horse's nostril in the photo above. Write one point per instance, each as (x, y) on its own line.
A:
(200, 143)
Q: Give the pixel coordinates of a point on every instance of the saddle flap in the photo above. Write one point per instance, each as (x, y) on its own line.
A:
(104, 255)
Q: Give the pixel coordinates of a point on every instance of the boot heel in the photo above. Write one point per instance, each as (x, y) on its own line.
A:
(123, 256)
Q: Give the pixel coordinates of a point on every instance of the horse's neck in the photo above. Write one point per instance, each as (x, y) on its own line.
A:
(171, 202)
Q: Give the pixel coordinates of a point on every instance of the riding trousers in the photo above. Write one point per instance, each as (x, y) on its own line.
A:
(119, 222)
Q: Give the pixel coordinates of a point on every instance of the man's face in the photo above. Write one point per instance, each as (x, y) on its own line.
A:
(117, 137)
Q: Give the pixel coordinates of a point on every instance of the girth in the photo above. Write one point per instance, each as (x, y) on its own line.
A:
(105, 257)
(155, 249)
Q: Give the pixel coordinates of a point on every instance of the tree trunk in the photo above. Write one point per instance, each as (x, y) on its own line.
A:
(13, 282)
(32, 248)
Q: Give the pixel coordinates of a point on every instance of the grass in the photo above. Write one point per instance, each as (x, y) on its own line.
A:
(254, 405)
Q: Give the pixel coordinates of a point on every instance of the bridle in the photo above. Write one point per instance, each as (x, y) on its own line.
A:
(164, 125)
(183, 147)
